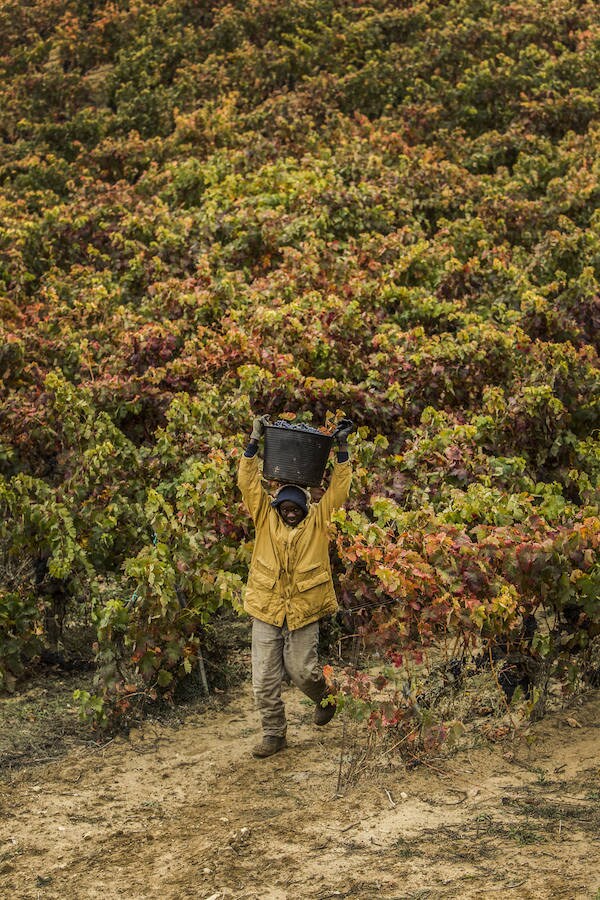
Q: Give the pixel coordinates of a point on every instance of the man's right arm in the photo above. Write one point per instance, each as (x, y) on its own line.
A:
(339, 486)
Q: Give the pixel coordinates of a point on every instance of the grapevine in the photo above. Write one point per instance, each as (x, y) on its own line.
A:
(212, 212)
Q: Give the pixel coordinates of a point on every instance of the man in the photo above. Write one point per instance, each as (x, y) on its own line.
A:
(289, 586)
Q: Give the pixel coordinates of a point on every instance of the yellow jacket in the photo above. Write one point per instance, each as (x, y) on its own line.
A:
(290, 573)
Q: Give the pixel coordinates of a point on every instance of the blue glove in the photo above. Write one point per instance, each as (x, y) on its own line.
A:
(344, 429)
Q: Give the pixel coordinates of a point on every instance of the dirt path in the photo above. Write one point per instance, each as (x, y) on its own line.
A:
(186, 813)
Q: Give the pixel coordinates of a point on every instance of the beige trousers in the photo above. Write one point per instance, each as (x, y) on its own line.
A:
(275, 652)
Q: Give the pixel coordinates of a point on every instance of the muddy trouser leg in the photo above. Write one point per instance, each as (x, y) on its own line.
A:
(301, 661)
(267, 674)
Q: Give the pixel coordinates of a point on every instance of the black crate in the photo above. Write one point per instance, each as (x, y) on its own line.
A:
(295, 457)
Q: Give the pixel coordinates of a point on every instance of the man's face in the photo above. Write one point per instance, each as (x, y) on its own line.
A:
(291, 513)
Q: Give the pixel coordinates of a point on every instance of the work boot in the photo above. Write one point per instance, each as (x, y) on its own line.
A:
(324, 714)
(269, 745)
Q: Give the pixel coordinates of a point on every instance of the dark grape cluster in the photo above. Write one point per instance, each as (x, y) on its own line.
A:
(296, 426)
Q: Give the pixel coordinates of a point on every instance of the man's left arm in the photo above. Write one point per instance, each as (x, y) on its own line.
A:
(249, 480)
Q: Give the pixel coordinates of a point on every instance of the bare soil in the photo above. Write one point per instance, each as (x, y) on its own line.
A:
(40, 722)
(184, 811)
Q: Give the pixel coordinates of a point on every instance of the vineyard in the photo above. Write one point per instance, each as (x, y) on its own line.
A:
(215, 210)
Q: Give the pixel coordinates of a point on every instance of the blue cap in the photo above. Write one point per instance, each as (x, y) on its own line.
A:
(294, 494)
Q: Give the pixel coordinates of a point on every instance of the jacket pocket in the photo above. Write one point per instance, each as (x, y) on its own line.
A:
(262, 575)
(259, 566)
(304, 570)
(312, 581)
(260, 579)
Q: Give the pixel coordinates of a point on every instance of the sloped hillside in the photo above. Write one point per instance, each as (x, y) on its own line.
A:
(209, 210)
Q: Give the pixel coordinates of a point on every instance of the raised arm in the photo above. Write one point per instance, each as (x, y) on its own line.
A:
(249, 481)
(339, 486)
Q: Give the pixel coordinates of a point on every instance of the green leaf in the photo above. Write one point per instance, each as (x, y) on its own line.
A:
(164, 677)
